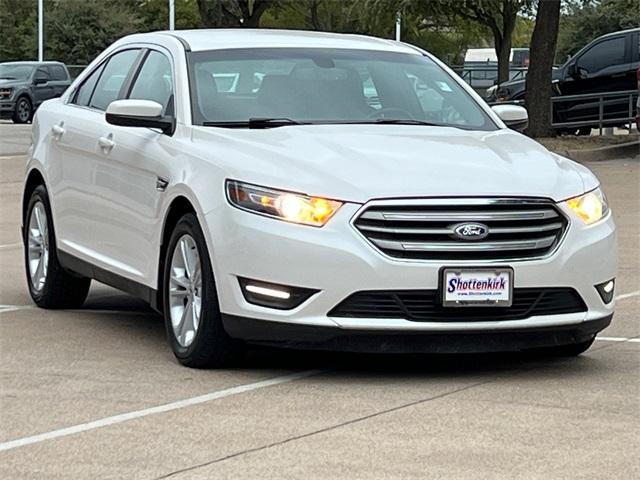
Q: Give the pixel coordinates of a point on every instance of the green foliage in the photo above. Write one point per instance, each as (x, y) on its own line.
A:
(18, 25)
(590, 19)
(78, 30)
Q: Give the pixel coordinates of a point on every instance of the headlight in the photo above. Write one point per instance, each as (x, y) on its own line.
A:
(288, 206)
(590, 207)
(5, 92)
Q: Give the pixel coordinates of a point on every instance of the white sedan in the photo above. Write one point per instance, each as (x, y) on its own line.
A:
(312, 190)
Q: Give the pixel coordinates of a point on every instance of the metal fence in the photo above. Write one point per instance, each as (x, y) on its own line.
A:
(604, 100)
(597, 100)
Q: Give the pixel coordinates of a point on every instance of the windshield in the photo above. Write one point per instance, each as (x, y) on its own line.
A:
(15, 72)
(327, 86)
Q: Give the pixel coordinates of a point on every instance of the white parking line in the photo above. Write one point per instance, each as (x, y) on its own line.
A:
(167, 407)
(10, 246)
(628, 295)
(618, 339)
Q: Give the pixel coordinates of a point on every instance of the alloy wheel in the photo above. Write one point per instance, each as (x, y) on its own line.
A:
(24, 110)
(38, 246)
(185, 290)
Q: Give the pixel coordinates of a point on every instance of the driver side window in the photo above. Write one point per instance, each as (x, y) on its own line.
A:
(155, 81)
(42, 74)
(605, 54)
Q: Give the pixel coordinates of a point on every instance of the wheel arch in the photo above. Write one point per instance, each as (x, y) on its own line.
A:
(34, 178)
(178, 207)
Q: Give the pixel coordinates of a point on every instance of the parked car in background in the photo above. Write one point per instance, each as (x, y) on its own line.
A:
(607, 64)
(480, 69)
(25, 85)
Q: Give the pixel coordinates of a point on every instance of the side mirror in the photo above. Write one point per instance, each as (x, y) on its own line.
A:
(581, 72)
(40, 80)
(139, 113)
(514, 116)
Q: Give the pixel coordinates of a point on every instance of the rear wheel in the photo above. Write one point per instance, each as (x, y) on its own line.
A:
(50, 285)
(23, 111)
(191, 310)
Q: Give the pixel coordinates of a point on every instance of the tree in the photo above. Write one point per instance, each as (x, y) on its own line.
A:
(18, 22)
(78, 30)
(233, 13)
(543, 48)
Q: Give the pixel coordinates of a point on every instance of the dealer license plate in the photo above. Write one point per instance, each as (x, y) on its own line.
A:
(466, 287)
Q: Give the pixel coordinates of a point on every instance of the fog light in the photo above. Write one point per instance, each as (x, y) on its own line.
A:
(273, 295)
(606, 290)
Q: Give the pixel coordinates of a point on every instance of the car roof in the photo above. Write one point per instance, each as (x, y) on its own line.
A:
(630, 30)
(236, 38)
(32, 63)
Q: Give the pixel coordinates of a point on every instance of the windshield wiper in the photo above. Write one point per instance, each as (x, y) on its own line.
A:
(398, 121)
(256, 123)
(7, 78)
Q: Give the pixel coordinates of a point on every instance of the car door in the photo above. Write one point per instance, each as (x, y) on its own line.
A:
(42, 87)
(129, 176)
(75, 151)
(600, 68)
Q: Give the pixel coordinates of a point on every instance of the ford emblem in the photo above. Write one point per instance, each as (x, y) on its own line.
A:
(471, 231)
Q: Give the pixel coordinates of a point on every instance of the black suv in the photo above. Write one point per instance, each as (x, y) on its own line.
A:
(607, 64)
(25, 85)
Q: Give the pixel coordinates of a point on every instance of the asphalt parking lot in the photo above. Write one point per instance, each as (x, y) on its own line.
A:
(96, 393)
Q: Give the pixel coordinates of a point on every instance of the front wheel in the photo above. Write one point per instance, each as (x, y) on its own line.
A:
(23, 111)
(191, 311)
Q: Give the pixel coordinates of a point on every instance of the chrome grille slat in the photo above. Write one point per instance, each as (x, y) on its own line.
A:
(464, 247)
(423, 229)
(457, 216)
(449, 231)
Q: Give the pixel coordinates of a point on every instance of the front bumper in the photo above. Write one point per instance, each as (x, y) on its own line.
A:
(480, 341)
(7, 108)
(337, 261)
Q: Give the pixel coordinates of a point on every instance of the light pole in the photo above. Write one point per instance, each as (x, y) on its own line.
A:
(398, 25)
(40, 30)
(172, 14)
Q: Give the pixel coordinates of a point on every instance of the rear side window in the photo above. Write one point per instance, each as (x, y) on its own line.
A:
(86, 89)
(112, 79)
(57, 72)
(155, 81)
(604, 54)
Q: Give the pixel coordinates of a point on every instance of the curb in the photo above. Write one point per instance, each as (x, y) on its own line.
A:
(623, 150)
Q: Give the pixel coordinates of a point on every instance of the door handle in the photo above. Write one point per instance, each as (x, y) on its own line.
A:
(58, 130)
(618, 75)
(106, 143)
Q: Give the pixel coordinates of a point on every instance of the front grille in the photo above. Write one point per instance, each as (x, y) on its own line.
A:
(425, 230)
(426, 306)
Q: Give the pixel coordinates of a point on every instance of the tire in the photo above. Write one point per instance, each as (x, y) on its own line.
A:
(24, 111)
(190, 302)
(571, 350)
(50, 285)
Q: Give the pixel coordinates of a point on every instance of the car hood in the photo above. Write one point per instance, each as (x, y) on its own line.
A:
(362, 162)
(10, 83)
